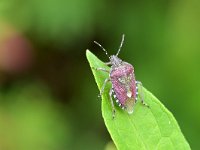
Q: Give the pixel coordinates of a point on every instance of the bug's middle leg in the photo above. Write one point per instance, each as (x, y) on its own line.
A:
(103, 86)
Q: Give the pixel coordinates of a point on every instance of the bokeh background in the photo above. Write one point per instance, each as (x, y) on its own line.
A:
(48, 97)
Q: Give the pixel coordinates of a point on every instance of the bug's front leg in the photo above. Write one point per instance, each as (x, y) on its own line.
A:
(112, 104)
(141, 94)
(103, 87)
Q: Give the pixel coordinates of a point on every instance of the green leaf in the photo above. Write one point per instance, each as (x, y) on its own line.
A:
(147, 128)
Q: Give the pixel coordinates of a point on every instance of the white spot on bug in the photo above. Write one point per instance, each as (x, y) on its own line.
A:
(117, 101)
(136, 93)
(120, 104)
(123, 107)
(114, 96)
(129, 94)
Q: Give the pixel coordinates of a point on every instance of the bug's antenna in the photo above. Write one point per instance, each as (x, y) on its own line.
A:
(122, 42)
(102, 48)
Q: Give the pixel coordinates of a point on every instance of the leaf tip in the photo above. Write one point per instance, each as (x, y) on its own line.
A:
(88, 52)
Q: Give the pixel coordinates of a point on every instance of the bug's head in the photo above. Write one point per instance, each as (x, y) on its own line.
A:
(114, 60)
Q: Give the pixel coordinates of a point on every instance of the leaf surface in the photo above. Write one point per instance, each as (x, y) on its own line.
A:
(153, 128)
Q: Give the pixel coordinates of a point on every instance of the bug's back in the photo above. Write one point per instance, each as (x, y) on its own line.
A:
(123, 84)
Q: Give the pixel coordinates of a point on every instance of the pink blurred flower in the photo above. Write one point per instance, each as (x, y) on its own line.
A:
(16, 53)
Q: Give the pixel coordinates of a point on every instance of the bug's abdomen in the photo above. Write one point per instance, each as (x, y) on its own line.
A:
(123, 91)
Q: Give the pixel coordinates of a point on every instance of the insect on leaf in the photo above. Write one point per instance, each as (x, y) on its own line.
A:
(153, 128)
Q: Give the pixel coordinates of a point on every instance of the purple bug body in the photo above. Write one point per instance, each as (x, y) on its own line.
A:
(124, 86)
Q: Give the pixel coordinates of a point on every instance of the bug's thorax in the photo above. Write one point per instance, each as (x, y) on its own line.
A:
(122, 70)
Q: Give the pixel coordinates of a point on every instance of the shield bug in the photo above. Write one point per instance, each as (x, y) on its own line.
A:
(125, 89)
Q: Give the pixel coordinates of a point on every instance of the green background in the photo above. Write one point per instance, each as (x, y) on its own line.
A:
(48, 97)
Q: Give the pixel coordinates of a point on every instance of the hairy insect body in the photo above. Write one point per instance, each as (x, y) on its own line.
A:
(123, 85)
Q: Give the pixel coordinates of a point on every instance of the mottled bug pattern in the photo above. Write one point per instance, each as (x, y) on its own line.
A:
(124, 86)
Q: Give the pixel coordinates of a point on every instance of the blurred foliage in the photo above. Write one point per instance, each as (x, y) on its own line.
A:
(29, 119)
(54, 20)
(48, 97)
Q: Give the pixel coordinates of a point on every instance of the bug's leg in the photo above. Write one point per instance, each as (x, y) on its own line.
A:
(108, 63)
(112, 104)
(101, 69)
(141, 94)
(103, 87)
